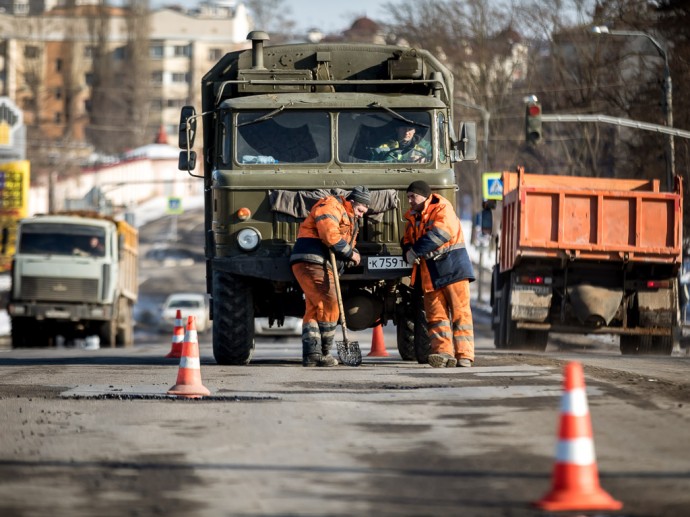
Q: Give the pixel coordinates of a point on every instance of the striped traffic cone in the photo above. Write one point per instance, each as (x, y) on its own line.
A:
(575, 477)
(189, 375)
(378, 348)
(177, 338)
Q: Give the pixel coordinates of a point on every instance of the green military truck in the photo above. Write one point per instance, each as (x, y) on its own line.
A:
(285, 125)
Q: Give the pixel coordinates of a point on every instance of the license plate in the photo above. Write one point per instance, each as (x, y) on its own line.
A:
(379, 263)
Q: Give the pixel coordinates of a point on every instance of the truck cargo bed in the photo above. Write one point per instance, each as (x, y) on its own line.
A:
(569, 218)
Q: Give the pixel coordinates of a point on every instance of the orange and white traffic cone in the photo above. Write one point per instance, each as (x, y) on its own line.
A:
(378, 348)
(177, 338)
(189, 375)
(575, 484)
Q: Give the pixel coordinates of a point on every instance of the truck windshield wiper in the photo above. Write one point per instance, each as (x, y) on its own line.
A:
(267, 116)
(397, 115)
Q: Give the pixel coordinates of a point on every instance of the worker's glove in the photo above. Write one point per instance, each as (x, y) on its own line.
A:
(411, 257)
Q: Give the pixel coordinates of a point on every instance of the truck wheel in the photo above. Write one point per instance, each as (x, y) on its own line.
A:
(413, 340)
(125, 331)
(20, 333)
(405, 337)
(646, 345)
(108, 333)
(233, 319)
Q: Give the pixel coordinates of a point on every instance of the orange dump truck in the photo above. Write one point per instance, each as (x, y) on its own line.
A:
(587, 255)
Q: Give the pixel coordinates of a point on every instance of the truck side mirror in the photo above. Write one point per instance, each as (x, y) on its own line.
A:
(187, 161)
(466, 147)
(185, 137)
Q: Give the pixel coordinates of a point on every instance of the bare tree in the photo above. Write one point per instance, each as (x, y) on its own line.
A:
(273, 16)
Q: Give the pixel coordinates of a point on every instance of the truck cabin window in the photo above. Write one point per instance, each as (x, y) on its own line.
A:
(381, 136)
(283, 136)
(50, 239)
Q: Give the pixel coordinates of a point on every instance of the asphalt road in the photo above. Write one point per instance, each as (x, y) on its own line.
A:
(94, 433)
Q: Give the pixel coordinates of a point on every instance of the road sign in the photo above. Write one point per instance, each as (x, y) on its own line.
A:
(174, 206)
(492, 185)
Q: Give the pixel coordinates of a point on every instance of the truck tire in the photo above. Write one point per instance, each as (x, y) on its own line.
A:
(233, 320)
(646, 345)
(412, 337)
(125, 331)
(20, 332)
(108, 333)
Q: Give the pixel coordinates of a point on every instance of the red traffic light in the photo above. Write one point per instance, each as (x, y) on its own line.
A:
(534, 110)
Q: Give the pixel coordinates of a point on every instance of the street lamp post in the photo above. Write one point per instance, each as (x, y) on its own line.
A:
(668, 93)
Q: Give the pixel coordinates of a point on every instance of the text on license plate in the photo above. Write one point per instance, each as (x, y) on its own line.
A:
(387, 263)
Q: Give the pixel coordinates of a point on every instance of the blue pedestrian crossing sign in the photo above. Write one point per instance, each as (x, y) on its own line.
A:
(175, 205)
(492, 185)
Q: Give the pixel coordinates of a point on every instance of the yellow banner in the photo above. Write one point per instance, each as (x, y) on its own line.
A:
(14, 205)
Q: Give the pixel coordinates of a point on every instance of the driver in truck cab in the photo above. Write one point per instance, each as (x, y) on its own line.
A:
(407, 146)
(332, 224)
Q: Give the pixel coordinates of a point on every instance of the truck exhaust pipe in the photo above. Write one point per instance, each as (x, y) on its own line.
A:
(257, 38)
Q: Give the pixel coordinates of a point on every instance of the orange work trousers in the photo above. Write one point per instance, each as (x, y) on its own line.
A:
(449, 320)
(317, 283)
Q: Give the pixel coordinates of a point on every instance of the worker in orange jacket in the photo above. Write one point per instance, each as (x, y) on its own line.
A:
(332, 224)
(435, 247)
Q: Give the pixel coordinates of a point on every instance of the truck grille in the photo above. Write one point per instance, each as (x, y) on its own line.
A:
(59, 289)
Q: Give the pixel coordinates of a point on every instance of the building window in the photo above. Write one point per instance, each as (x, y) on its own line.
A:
(88, 78)
(156, 104)
(58, 93)
(58, 65)
(214, 54)
(21, 7)
(157, 77)
(87, 105)
(89, 51)
(31, 52)
(182, 51)
(180, 77)
(156, 52)
(58, 117)
(120, 53)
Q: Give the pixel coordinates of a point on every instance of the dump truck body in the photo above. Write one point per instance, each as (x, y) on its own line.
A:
(285, 125)
(588, 255)
(73, 275)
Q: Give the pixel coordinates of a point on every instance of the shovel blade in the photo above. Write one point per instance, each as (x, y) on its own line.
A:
(349, 353)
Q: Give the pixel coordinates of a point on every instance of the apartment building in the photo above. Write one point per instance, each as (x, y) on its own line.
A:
(59, 64)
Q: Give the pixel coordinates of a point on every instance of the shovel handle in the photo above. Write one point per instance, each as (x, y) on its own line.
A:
(338, 294)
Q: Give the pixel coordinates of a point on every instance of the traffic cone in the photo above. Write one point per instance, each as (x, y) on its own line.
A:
(378, 348)
(575, 484)
(189, 375)
(177, 338)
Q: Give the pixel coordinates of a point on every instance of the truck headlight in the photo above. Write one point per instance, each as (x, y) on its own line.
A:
(248, 239)
(16, 310)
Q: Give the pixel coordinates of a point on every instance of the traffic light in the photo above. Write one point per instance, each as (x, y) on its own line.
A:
(533, 122)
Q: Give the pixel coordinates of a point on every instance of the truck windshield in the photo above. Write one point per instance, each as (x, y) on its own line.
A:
(384, 136)
(56, 239)
(289, 136)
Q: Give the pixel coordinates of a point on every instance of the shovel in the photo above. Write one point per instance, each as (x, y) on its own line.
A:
(348, 351)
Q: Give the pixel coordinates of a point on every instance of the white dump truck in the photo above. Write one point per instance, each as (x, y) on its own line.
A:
(73, 275)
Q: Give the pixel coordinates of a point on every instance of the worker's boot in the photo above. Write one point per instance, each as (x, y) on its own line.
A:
(311, 345)
(327, 336)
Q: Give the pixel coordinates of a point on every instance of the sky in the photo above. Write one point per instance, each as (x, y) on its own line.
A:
(333, 15)
(327, 15)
